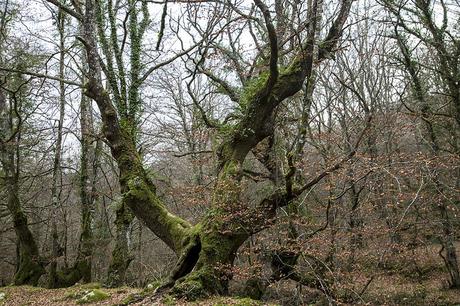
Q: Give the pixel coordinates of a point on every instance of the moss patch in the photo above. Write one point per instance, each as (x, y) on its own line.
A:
(90, 286)
(189, 289)
(3, 297)
(235, 301)
(88, 296)
(77, 291)
(252, 89)
(94, 295)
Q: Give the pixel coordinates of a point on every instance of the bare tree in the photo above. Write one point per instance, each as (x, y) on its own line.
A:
(417, 22)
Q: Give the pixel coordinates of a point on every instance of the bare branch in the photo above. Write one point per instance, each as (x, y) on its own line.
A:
(66, 9)
(41, 75)
(273, 41)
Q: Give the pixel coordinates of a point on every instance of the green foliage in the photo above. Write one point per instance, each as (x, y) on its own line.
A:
(226, 129)
(294, 67)
(230, 168)
(247, 302)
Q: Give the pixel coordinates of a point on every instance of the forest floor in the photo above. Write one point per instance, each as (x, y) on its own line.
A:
(91, 294)
(386, 290)
(415, 277)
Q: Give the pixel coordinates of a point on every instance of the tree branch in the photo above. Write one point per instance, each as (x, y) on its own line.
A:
(66, 9)
(273, 41)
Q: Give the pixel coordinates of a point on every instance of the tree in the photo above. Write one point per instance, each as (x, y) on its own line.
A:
(208, 248)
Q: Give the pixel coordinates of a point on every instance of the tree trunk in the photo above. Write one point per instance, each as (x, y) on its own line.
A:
(205, 265)
(55, 193)
(121, 257)
(448, 239)
(82, 267)
(30, 266)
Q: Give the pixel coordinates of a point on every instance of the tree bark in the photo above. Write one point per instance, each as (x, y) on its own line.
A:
(30, 266)
(57, 250)
(121, 257)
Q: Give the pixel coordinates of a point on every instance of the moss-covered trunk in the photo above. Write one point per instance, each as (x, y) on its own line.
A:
(30, 266)
(121, 257)
(205, 266)
(214, 262)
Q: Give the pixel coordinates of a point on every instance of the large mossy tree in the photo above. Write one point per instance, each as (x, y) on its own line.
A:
(206, 250)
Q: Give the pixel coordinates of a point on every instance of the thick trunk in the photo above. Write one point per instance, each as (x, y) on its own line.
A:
(211, 258)
(205, 266)
(121, 257)
(30, 266)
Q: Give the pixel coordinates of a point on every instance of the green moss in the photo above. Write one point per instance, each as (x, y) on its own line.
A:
(416, 297)
(32, 288)
(140, 194)
(69, 276)
(94, 285)
(152, 286)
(72, 294)
(247, 302)
(3, 297)
(230, 168)
(132, 298)
(252, 89)
(169, 300)
(226, 129)
(200, 283)
(127, 125)
(91, 296)
(236, 301)
(29, 271)
(294, 67)
(191, 289)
